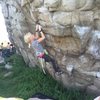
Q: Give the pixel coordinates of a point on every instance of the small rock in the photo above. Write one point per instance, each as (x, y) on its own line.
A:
(7, 66)
(7, 74)
(12, 98)
(70, 69)
(97, 98)
(98, 74)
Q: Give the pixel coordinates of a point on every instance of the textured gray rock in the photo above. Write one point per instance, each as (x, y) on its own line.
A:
(72, 29)
(98, 3)
(68, 5)
(52, 3)
(93, 90)
(62, 18)
(97, 83)
(88, 4)
(37, 3)
(94, 47)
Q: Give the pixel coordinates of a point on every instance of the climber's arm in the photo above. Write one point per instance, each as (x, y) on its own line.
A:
(41, 33)
(36, 35)
(42, 37)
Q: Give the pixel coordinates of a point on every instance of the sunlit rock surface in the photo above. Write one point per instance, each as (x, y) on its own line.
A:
(11, 98)
(72, 30)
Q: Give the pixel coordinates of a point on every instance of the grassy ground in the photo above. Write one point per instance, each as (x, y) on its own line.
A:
(25, 81)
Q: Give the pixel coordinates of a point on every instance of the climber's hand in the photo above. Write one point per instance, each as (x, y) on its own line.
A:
(29, 45)
(40, 28)
(37, 28)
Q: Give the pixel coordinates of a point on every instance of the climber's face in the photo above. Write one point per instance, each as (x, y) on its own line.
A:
(31, 38)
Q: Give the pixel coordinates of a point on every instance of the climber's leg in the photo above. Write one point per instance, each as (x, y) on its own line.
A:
(42, 62)
(49, 59)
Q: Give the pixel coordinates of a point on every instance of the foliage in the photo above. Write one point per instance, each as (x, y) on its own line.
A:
(25, 81)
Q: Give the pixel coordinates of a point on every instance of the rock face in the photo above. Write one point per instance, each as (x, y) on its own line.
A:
(72, 29)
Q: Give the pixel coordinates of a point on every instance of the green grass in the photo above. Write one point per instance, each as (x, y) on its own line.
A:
(25, 81)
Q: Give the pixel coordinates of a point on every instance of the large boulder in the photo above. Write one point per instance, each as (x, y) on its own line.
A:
(72, 30)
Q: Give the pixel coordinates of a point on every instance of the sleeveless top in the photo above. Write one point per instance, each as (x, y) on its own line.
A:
(37, 48)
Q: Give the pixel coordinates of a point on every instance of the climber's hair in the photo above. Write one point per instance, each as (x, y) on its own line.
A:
(27, 36)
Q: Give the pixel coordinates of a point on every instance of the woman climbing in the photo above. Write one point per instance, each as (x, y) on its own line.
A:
(34, 40)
